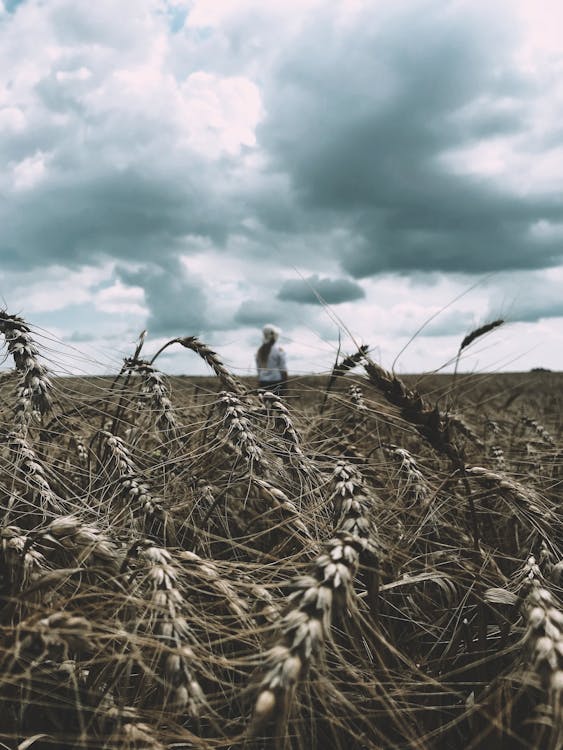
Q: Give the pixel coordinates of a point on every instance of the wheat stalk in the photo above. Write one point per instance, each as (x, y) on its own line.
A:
(329, 587)
(523, 501)
(415, 482)
(478, 332)
(357, 398)
(156, 392)
(160, 583)
(430, 422)
(229, 382)
(131, 484)
(32, 473)
(34, 388)
(239, 429)
(85, 543)
(540, 430)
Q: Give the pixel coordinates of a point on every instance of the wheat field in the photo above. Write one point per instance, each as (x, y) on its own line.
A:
(371, 562)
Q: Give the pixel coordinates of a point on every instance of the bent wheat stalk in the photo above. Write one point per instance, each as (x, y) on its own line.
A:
(341, 368)
(32, 473)
(34, 388)
(156, 393)
(229, 382)
(157, 584)
(316, 597)
(131, 485)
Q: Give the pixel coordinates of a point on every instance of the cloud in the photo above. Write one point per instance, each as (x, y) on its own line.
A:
(56, 288)
(110, 155)
(452, 323)
(255, 313)
(528, 296)
(174, 170)
(364, 122)
(81, 337)
(11, 5)
(120, 299)
(317, 291)
(177, 305)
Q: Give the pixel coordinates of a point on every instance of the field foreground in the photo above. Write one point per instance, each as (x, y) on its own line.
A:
(368, 563)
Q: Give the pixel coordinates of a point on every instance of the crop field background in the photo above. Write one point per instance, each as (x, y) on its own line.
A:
(370, 562)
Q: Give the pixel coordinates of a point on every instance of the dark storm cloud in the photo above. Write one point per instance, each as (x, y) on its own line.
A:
(257, 313)
(529, 298)
(361, 120)
(177, 304)
(316, 291)
(138, 215)
(121, 214)
(536, 311)
(12, 5)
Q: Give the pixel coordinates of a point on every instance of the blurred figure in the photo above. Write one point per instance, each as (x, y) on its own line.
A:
(271, 362)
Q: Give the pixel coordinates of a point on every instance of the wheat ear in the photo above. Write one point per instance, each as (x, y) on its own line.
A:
(328, 587)
(430, 422)
(85, 543)
(341, 368)
(160, 583)
(414, 480)
(357, 397)
(21, 562)
(524, 501)
(156, 392)
(544, 635)
(34, 388)
(239, 430)
(283, 421)
(32, 473)
(131, 484)
(478, 332)
(540, 430)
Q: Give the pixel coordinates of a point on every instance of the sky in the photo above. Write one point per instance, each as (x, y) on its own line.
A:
(354, 171)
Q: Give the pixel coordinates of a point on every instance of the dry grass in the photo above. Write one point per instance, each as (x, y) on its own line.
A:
(185, 563)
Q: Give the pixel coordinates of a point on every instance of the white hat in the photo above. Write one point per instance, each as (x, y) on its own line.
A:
(270, 332)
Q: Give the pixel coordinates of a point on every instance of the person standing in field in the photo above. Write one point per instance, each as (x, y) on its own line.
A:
(271, 362)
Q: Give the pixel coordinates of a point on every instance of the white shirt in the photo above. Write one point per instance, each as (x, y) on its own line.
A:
(272, 373)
